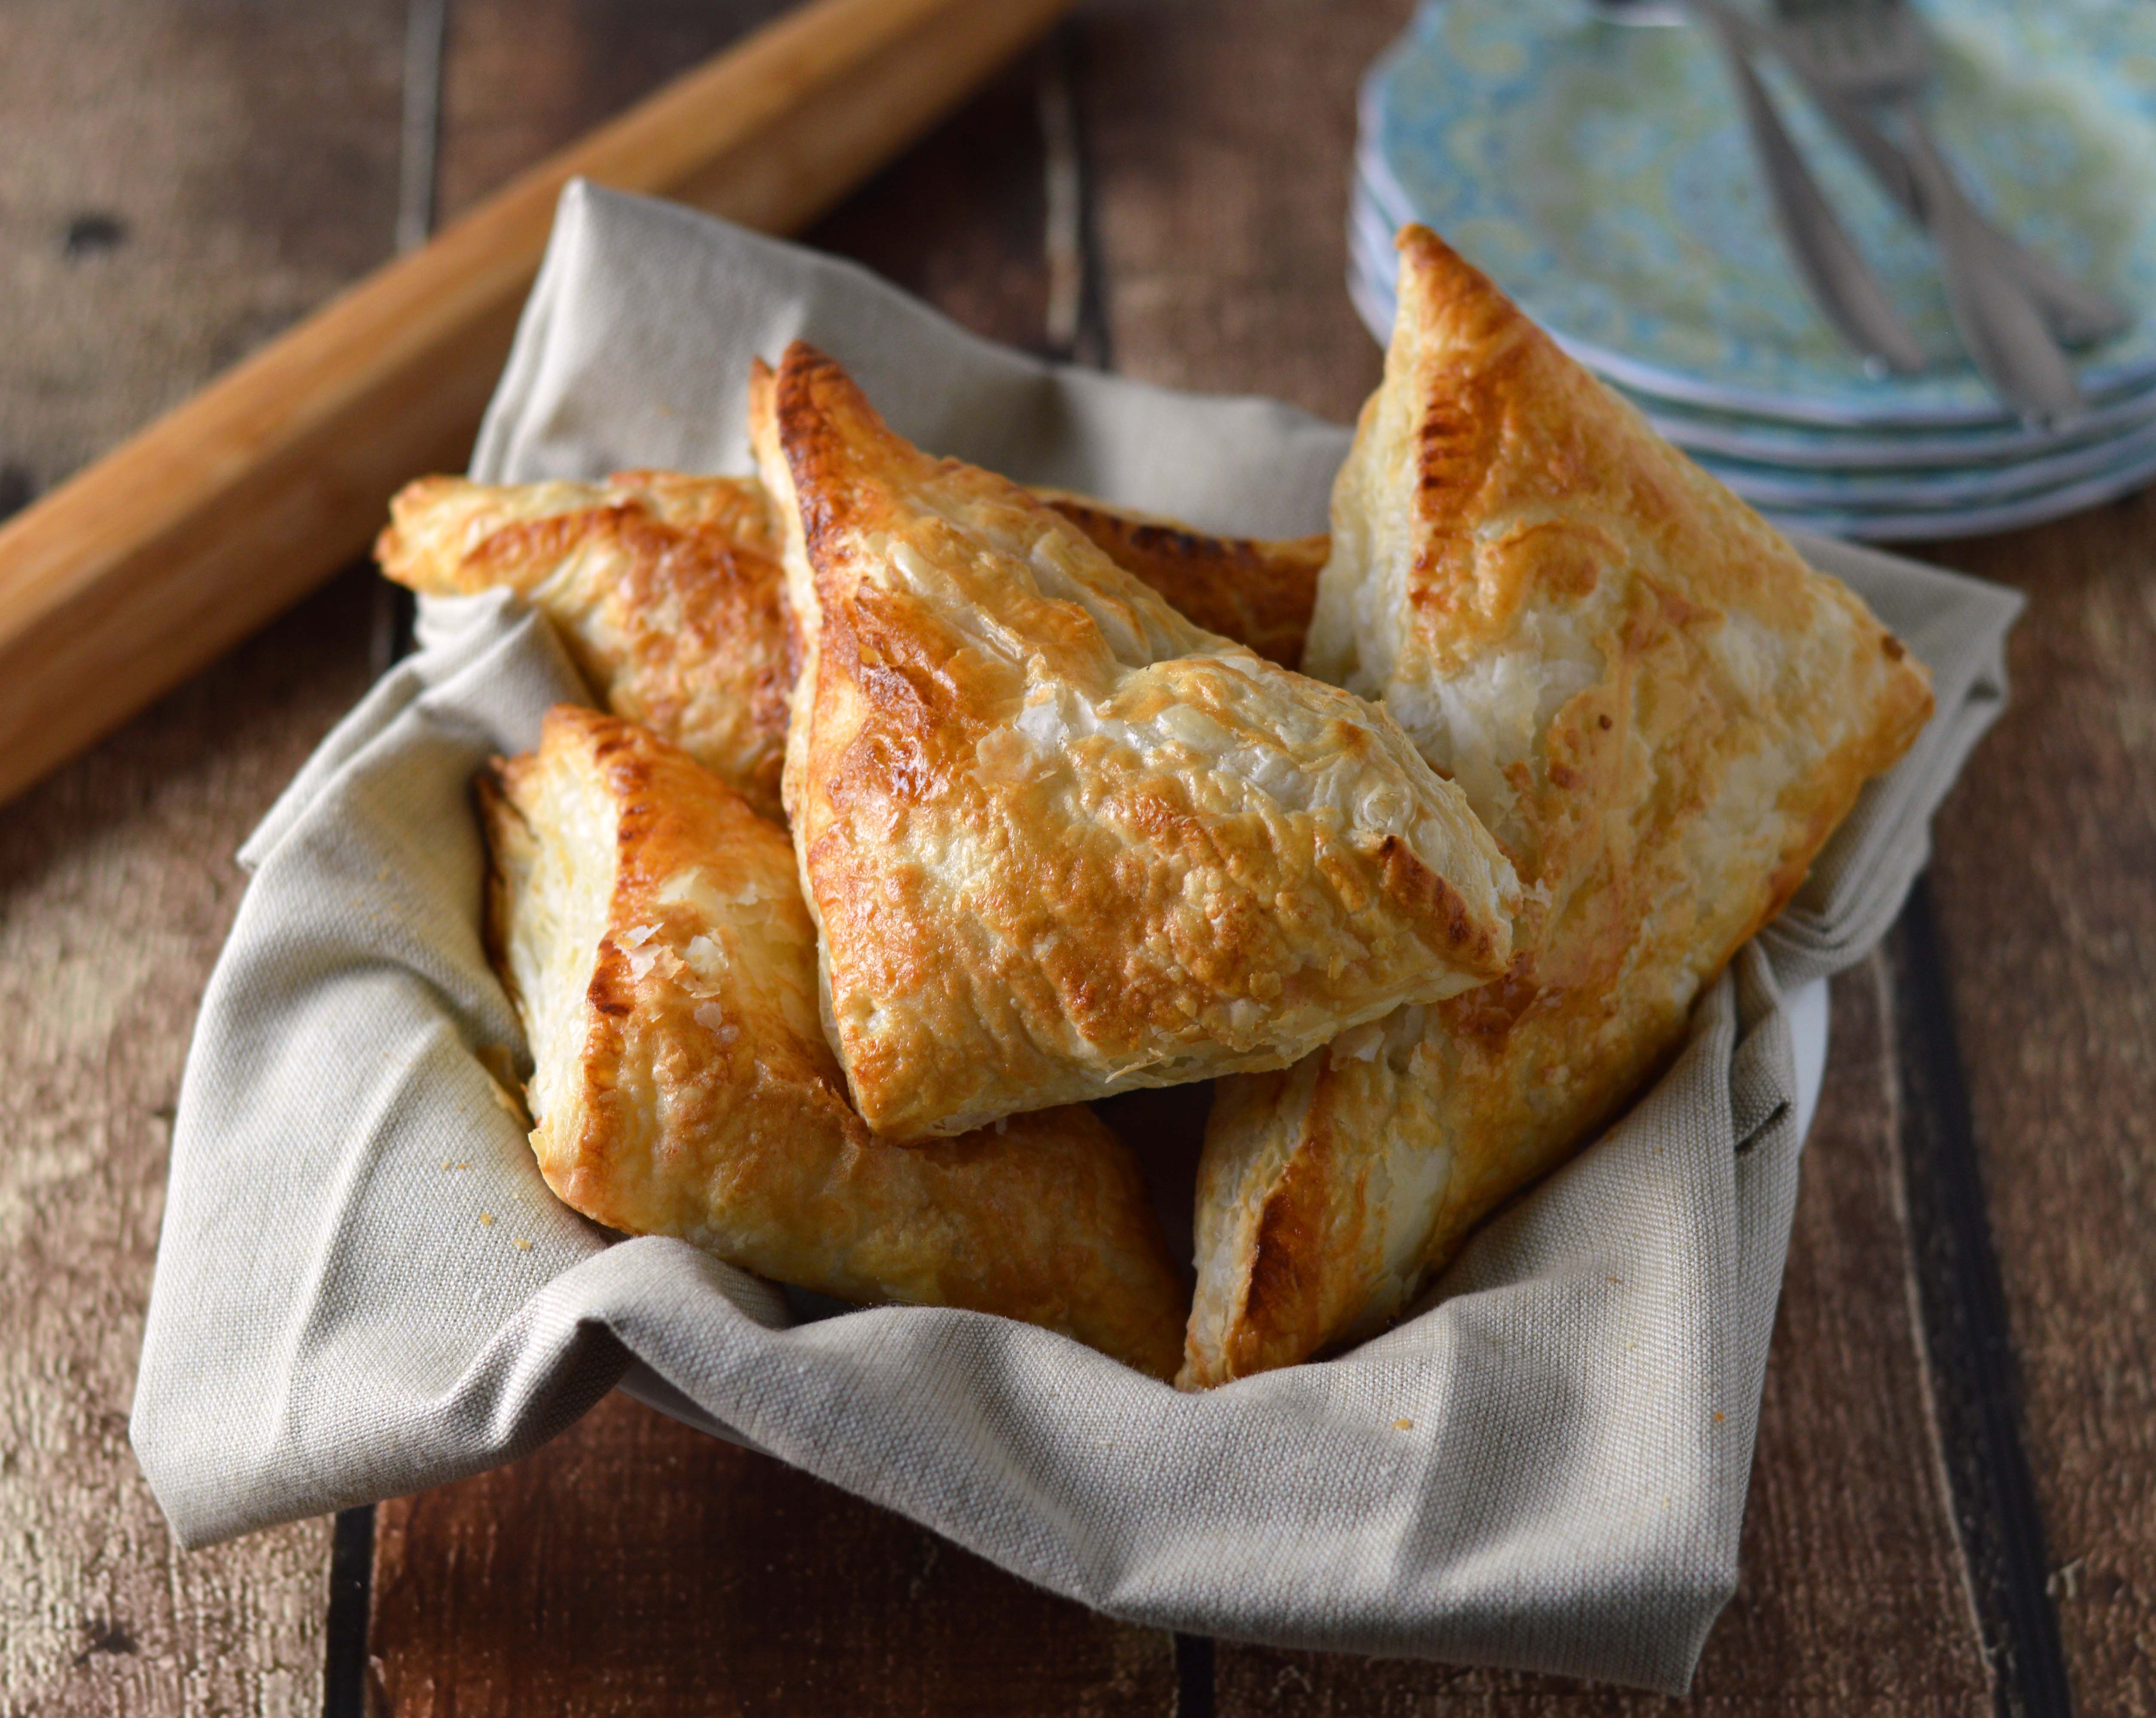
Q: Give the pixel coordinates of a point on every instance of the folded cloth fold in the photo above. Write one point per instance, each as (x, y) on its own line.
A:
(363, 1287)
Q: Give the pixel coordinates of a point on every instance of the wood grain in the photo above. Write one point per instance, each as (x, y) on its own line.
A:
(116, 888)
(178, 179)
(180, 183)
(1220, 135)
(2044, 857)
(634, 1566)
(955, 220)
(520, 82)
(219, 514)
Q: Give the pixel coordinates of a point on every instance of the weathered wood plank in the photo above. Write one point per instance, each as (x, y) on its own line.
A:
(2043, 882)
(1220, 136)
(178, 179)
(116, 888)
(634, 1566)
(182, 178)
(956, 219)
(519, 82)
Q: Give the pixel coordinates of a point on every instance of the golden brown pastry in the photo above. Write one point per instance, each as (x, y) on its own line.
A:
(1660, 711)
(665, 588)
(1257, 591)
(1059, 841)
(649, 926)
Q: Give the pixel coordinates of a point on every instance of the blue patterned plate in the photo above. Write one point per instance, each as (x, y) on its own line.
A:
(1919, 526)
(1901, 491)
(1803, 449)
(1892, 505)
(1800, 447)
(1603, 176)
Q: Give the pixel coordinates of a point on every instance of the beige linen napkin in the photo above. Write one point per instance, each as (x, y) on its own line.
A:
(364, 1287)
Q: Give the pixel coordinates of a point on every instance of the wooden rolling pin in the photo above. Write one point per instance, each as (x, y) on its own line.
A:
(146, 565)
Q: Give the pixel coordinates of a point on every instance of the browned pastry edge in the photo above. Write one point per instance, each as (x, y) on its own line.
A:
(1728, 705)
(1060, 840)
(664, 589)
(1257, 591)
(681, 1086)
(713, 669)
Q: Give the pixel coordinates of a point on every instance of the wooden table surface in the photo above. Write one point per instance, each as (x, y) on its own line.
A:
(1953, 1504)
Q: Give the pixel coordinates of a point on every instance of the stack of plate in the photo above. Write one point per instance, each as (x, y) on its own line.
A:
(1601, 173)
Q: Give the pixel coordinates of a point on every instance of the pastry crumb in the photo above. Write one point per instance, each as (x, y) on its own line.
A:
(486, 1219)
(1718, 1417)
(523, 1245)
(506, 1100)
(1403, 1425)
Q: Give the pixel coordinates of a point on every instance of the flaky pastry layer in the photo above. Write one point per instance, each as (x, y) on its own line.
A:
(1257, 591)
(1059, 841)
(666, 589)
(650, 927)
(1656, 706)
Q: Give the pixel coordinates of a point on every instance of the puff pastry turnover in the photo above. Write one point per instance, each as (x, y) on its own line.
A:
(1660, 711)
(665, 588)
(650, 927)
(1059, 841)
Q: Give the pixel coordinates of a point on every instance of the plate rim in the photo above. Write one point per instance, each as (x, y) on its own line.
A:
(1894, 523)
(1650, 378)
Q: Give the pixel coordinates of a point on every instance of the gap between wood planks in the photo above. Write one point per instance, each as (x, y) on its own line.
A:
(426, 29)
(1975, 1395)
(345, 1666)
(345, 1631)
